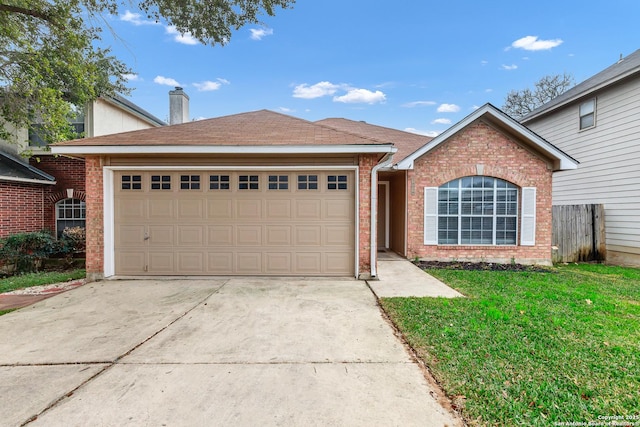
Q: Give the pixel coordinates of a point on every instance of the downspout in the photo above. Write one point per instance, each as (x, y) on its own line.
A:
(386, 161)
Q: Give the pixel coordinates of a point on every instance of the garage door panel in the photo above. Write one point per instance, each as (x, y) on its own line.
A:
(278, 235)
(249, 235)
(161, 209)
(278, 209)
(190, 209)
(308, 262)
(222, 229)
(190, 235)
(190, 262)
(162, 262)
(220, 263)
(130, 235)
(277, 262)
(249, 262)
(161, 235)
(130, 262)
(249, 209)
(220, 235)
(220, 209)
(308, 235)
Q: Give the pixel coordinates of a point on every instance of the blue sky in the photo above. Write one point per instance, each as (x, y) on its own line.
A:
(411, 65)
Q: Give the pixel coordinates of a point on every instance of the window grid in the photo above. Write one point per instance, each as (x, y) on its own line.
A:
(219, 182)
(189, 182)
(70, 213)
(587, 114)
(278, 182)
(336, 182)
(161, 182)
(248, 182)
(307, 182)
(131, 182)
(477, 211)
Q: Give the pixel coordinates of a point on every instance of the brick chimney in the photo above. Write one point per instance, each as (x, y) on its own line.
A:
(178, 106)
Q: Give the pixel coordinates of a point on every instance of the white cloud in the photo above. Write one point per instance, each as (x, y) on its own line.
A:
(488, 90)
(286, 110)
(166, 81)
(448, 108)
(509, 67)
(483, 62)
(185, 38)
(431, 133)
(132, 77)
(259, 33)
(136, 19)
(317, 90)
(441, 122)
(533, 43)
(207, 86)
(223, 81)
(357, 96)
(418, 104)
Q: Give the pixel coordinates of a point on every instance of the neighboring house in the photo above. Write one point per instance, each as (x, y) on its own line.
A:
(46, 192)
(598, 122)
(262, 193)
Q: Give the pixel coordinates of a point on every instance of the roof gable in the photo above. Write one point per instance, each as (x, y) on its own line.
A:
(506, 124)
(622, 69)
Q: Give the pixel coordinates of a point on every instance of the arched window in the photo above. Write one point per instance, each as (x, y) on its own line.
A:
(477, 210)
(69, 213)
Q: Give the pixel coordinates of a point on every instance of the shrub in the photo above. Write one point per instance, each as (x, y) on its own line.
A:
(72, 241)
(24, 252)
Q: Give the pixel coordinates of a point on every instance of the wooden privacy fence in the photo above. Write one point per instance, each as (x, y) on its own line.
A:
(578, 233)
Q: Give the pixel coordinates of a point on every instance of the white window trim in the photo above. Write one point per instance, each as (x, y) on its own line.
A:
(56, 205)
(580, 116)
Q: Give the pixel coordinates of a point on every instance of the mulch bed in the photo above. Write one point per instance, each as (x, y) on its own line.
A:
(478, 266)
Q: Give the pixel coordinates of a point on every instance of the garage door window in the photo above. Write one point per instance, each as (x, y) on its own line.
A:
(132, 182)
(189, 182)
(337, 182)
(219, 182)
(248, 182)
(307, 182)
(161, 182)
(278, 182)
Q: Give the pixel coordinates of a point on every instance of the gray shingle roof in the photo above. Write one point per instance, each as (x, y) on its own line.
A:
(15, 170)
(626, 67)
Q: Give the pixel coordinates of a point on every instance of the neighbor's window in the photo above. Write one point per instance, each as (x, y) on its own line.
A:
(248, 182)
(70, 213)
(477, 210)
(588, 114)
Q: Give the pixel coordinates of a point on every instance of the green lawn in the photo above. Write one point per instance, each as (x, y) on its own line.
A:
(36, 279)
(530, 348)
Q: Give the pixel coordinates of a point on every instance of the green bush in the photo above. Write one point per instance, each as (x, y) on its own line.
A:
(25, 252)
(72, 242)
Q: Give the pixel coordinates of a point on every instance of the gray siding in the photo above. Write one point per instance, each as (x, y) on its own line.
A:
(609, 156)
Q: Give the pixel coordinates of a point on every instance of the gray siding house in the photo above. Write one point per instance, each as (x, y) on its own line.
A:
(597, 122)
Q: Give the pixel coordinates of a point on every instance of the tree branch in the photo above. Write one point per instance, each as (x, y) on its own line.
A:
(29, 12)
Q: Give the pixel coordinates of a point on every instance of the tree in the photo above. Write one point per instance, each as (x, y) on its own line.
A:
(50, 65)
(520, 103)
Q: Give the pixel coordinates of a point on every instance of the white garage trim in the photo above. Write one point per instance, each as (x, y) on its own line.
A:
(109, 198)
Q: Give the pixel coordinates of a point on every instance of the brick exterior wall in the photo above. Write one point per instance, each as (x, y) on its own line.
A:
(95, 222)
(501, 157)
(21, 207)
(365, 163)
(69, 174)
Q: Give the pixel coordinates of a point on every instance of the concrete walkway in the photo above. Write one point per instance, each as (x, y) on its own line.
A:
(399, 277)
(232, 352)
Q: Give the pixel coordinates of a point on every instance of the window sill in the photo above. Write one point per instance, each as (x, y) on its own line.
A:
(483, 247)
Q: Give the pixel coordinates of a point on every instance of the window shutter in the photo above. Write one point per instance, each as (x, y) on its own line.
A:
(528, 231)
(431, 215)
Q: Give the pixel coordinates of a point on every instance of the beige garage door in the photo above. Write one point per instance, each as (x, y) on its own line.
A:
(234, 223)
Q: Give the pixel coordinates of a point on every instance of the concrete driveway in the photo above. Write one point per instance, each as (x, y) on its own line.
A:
(211, 352)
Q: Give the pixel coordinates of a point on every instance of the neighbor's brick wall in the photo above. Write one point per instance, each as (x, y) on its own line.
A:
(502, 158)
(21, 207)
(69, 174)
(365, 163)
(95, 223)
